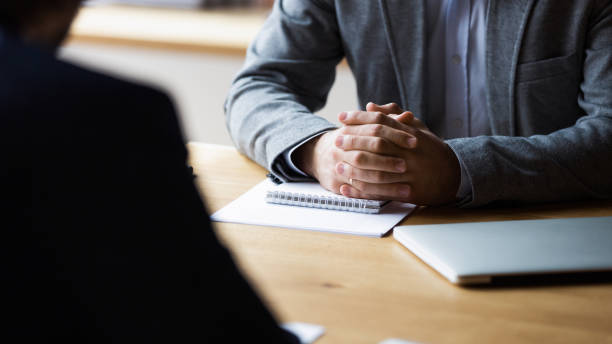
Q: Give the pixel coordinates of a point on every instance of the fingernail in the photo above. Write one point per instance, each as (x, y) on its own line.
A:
(339, 141)
(404, 191)
(342, 116)
(412, 142)
(346, 191)
(400, 166)
(340, 168)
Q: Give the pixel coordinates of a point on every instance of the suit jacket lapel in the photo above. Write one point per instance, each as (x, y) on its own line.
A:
(505, 28)
(404, 24)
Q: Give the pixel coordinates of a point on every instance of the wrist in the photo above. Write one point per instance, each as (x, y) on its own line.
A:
(304, 156)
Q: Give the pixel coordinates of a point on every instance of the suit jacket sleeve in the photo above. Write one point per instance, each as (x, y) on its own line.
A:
(289, 70)
(571, 163)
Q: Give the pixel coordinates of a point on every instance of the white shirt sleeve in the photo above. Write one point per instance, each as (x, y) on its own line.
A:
(288, 154)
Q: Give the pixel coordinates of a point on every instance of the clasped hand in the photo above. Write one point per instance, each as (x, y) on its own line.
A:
(383, 153)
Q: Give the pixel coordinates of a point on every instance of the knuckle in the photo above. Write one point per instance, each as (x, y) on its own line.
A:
(337, 155)
(400, 137)
(378, 117)
(359, 186)
(378, 177)
(368, 189)
(376, 129)
(349, 171)
(357, 192)
(377, 145)
(359, 158)
(352, 141)
(343, 131)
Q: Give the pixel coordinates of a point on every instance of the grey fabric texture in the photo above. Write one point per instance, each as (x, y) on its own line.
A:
(549, 83)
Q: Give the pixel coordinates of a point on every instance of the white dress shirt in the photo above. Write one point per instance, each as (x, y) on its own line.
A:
(456, 93)
(456, 98)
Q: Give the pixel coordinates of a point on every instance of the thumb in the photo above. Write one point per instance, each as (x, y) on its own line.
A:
(387, 109)
(405, 117)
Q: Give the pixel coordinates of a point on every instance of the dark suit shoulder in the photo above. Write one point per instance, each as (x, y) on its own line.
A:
(60, 107)
(31, 67)
(37, 84)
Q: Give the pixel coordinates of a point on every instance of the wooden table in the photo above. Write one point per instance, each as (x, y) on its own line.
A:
(364, 290)
(216, 31)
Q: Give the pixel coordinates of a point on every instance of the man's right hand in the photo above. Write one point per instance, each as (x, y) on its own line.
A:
(320, 156)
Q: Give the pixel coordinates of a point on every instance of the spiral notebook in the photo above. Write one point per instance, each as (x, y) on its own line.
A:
(252, 208)
(311, 195)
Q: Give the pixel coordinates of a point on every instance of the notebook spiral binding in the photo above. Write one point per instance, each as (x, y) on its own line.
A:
(324, 202)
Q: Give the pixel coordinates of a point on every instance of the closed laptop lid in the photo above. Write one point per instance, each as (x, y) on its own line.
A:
(474, 252)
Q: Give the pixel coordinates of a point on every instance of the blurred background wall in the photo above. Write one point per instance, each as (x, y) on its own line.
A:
(191, 53)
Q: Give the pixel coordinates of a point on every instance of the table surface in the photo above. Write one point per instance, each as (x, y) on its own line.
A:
(364, 290)
(218, 31)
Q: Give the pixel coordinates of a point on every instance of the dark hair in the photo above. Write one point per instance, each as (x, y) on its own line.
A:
(15, 14)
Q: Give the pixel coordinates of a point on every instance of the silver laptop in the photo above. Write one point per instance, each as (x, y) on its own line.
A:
(467, 253)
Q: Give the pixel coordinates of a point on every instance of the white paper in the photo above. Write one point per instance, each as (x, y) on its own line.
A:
(307, 333)
(251, 208)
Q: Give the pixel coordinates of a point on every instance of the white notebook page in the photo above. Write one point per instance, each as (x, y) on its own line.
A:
(251, 208)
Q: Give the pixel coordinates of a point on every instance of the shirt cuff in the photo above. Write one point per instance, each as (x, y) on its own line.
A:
(464, 193)
(465, 188)
(288, 154)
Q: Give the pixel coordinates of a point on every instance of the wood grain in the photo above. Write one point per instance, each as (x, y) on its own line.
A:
(365, 290)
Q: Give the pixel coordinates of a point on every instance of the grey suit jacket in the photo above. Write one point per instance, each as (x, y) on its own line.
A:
(549, 80)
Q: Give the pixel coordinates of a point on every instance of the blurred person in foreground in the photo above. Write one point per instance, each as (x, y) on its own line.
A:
(111, 240)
